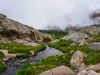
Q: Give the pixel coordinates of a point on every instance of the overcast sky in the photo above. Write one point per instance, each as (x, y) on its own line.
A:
(40, 13)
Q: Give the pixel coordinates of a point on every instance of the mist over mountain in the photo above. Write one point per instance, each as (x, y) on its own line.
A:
(49, 37)
(41, 13)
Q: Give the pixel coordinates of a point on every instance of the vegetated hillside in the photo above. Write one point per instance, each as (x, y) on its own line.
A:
(15, 30)
(56, 34)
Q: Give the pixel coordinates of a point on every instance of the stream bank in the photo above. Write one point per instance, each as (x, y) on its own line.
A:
(14, 65)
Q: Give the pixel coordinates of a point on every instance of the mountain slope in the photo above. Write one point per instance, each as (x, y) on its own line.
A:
(93, 29)
(16, 30)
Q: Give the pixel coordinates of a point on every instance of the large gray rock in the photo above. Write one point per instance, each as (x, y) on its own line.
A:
(93, 29)
(77, 59)
(83, 72)
(95, 46)
(76, 36)
(94, 67)
(61, 70)
(4, 40)
(90, 72)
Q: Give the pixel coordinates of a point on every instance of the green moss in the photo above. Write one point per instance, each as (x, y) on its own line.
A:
(2, 67)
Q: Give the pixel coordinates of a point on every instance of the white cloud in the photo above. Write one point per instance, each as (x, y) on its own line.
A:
(40, 13)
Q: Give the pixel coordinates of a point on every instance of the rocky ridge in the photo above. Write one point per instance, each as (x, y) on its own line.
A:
(93, 29)
(14, 30)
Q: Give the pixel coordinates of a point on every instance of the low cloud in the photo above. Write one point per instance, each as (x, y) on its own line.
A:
(41, 13)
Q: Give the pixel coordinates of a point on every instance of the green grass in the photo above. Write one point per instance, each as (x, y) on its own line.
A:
(2, 67)
(92, 57)
(23, 50)
(61, 43)
(1, 55)
(43, 65)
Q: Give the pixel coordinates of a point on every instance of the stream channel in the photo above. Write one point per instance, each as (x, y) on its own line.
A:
(14, 65)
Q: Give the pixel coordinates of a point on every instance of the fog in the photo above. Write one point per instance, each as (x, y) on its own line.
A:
(41, 13)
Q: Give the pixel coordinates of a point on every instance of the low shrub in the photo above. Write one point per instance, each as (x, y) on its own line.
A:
(2, 67)
(60, 43)
(2, 55)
